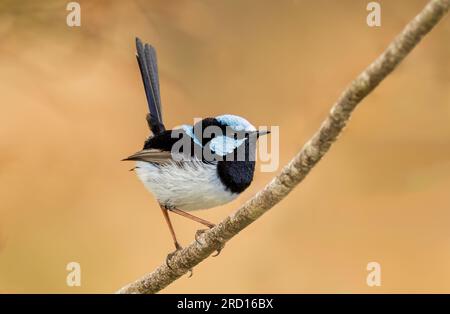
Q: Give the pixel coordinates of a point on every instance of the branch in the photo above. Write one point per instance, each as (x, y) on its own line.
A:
(297, 169)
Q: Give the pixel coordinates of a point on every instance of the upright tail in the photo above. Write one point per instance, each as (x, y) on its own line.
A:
(146, 58)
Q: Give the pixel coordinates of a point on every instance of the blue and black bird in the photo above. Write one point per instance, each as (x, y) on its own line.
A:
(183, 185)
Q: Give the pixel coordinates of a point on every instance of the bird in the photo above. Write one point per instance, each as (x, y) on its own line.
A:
(215, 164)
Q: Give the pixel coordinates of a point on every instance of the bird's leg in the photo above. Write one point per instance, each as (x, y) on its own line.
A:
(169, 224)
(174, 237)
(192, 217)
(172, 232)
(197, 234)
(199, 220)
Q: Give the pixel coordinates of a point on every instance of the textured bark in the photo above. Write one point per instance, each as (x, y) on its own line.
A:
(297, 169)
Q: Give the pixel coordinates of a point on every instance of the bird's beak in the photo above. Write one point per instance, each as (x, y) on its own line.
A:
(262, 132)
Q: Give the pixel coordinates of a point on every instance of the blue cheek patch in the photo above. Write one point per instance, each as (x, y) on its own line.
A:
(220, 145)
(223, 145)
(189, 130)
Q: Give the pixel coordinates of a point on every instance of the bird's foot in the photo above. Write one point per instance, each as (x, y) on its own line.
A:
(199, 233)
(169, 256)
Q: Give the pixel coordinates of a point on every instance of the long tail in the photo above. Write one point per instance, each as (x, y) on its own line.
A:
(146, 58)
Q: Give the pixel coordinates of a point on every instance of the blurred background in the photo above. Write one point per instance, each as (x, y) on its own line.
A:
(72, 106)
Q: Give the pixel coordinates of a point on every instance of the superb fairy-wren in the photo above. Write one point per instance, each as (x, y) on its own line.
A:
(214, 163)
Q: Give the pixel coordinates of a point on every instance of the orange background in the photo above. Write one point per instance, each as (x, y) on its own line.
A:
(72, 106)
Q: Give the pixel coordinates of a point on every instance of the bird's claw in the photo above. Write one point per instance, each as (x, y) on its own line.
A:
(199, 233)
(170, 255)
(218, 251)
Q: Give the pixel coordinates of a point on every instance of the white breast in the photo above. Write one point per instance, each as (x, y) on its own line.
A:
(196, 185)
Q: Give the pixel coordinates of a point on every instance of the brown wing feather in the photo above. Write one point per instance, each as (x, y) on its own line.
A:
(151, 155)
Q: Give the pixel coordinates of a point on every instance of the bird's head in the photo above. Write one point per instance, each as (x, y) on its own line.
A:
(240, 125)
(224, 134)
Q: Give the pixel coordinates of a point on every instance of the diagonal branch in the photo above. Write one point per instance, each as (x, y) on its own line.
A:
(297, 169)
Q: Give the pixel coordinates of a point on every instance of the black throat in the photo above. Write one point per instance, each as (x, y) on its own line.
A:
(237, 175)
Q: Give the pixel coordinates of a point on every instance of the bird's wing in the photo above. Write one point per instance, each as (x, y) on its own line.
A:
(146, 58)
